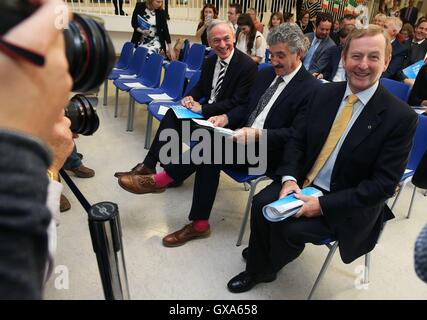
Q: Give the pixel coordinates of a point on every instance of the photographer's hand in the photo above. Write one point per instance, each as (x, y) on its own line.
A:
(32, 97)
(61, 142)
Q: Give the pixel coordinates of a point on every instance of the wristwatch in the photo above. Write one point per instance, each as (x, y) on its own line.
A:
(53, 175)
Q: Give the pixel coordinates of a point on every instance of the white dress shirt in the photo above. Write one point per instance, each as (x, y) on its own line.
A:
(260, 119)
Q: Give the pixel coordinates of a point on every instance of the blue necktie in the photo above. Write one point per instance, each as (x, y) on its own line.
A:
(310, 54)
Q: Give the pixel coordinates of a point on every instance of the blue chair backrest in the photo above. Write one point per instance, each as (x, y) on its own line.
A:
(399, 89)
(267, 55)
(420, 143)
(193, 81)
(138, 60)
(184, 51)
(195, 56)
(263, 65)
(125, 55)
(173, 83)
(152, 70)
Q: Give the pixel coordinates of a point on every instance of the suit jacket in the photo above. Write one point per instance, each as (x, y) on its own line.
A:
(234, 91)
(162, 30)
(333, 58)
(317, 63)
(283, 113)
(398, 55)
(416, 52)
(413, 17)
(419, 92)
(368, 167)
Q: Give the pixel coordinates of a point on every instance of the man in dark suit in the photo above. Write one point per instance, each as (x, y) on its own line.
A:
(334, 69)
(319, 43)
(274, 103)
(353, 144)
(224, 83)
(348, 21)
(393, 26)
(409, 13)
(417, 49)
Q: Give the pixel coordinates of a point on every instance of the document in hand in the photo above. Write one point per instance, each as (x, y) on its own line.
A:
(288, 206)
(412, 71)
(143, 24)
(181, 112)
(205, 123)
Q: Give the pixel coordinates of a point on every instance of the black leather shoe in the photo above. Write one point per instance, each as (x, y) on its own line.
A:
(245, 253)
(245, 281)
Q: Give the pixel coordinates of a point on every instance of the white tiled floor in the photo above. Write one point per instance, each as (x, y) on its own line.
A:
(201, 268)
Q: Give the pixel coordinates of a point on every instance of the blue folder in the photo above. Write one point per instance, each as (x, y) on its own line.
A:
(184, 113)
(412, 71)
(143, 24)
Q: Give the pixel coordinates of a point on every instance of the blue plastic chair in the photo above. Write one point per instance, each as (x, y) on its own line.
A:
(125, 56)
(184, 51)
(263, 65)
(149, 77)
(251, 181)
(267, 55)
(194, 59)
(135, 66)
(399, 89)
(172, 85)
(153, 108)
(417, 152)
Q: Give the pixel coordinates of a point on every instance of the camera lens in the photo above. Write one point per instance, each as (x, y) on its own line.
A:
(82, 113)
(89, 51)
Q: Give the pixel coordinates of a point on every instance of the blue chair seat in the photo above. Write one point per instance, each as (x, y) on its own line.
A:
(240, 176)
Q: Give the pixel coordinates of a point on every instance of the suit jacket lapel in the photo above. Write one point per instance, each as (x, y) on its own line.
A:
(210, 69)
(290, 88)
(365, 125)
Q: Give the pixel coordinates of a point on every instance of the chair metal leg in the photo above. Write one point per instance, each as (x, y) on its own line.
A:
(131, 111)
(148, 131)
(116, 105)
(105, 92)
(412, 201)
(397, 196)
(252, 187)
(246, 186)
(324, 268)
(367, 268)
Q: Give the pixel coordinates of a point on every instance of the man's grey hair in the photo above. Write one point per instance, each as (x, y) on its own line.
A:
(217, 22)
(290, 34)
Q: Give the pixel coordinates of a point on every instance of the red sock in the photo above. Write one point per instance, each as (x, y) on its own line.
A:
(162, 179)
(201, 225)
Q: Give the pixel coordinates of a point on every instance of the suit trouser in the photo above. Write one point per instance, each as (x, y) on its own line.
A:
(205, 184)
(169, 121)
(272, 245)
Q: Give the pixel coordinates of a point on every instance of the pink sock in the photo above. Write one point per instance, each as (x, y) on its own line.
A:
(201, 225)
(162, 179)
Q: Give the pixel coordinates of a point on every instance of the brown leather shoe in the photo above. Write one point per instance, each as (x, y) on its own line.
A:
(180, 237)
(140, 169)
(139, 184)
(83, 172)
(64, 204)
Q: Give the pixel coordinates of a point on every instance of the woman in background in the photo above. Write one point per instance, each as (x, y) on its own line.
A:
(250, 41)
(276, 19)
(208, 13)
(313, 7)
(304, 22)
(156, 36)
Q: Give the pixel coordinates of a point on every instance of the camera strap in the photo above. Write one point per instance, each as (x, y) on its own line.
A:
(15, 52)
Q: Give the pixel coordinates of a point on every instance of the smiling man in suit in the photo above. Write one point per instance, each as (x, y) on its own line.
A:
(224, 83)
(275, 101)
(353, 145)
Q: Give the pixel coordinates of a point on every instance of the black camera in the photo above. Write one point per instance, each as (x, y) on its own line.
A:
(90, 54)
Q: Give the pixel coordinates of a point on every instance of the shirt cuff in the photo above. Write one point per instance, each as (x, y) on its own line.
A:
(287, 178)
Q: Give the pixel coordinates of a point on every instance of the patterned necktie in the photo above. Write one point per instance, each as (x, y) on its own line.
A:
(220, 78)
(338, 128)
(263, 101)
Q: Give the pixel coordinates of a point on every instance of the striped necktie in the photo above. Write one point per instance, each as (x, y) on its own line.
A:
(220, 78)
(337, 130)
